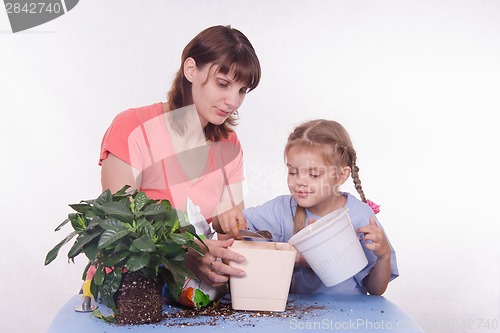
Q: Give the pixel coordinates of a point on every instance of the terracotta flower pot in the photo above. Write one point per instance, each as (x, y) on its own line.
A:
(269, 268)
(139, 300)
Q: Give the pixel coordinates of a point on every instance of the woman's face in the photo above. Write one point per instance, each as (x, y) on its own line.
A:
(215, 96)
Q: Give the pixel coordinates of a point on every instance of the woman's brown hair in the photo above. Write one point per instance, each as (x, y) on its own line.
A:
(229, 51)
(331, 140)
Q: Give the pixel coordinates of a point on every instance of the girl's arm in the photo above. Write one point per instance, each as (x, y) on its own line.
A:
(228, 223)
(376, 282)
(230, 218)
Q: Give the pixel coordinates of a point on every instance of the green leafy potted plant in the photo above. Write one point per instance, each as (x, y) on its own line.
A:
(133, 242)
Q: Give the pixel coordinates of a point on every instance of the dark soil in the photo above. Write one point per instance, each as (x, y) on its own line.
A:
(139, 300)
(221, 312)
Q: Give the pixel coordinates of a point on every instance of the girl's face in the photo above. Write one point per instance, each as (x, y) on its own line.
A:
(313, 184)
(215, 96)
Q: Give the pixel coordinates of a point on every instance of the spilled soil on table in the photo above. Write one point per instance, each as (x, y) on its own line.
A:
(221, 312)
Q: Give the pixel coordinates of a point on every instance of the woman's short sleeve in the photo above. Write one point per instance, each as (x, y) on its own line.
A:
(124, 138)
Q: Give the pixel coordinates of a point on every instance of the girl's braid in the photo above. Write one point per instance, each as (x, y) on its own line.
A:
(355, 173)
(299, 220)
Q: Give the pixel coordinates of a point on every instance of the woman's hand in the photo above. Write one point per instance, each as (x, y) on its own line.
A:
(379, 244)
(211, 270)
(230, 222)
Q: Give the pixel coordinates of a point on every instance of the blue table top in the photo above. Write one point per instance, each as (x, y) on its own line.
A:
(318, 312)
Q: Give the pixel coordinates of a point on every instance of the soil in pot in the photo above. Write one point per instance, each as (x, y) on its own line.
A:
(139, 300)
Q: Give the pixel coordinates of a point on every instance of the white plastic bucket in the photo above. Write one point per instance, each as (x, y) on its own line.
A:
(268, 267)
(331, 247)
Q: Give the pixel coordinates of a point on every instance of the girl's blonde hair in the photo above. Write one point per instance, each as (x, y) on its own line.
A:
(331, 141)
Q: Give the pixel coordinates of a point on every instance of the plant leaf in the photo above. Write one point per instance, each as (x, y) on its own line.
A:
(119, 211)
(122, 191)
(179, 256)
(160, 227)
(84, 275)
(116, 259)
(94, 223)
(190, 229)
(113, 223)
(154, 209)
(171, 212)
(81, 241)
(110, 319)
(174, 288)
(180, 239)
(81, 207)
(61, 225)
(169, 249)
(125, 202)
(111, 284)
(140, 201)
(99, 211)
(111, 235)
(91, 250)
(175, 226)
(98, 277)
(137, 261)
(78, 223)
(197, 248)
(94, 290)
(141, 222)
(149, 230)
(143, 244)
(55, 250)
(178, 271)
(104, 198)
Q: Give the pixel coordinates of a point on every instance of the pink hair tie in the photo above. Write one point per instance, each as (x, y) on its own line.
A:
(374, 206)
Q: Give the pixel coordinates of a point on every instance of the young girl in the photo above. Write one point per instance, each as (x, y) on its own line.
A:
(320, 157)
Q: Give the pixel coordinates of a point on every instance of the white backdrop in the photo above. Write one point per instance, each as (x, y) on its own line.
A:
(416, 83)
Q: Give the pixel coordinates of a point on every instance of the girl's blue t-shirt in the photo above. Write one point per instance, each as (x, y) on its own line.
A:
(277, 216)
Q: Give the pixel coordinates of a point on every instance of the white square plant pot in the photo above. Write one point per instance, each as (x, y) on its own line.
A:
(266, 284)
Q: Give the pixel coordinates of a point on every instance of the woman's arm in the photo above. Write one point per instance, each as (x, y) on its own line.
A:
(115, 174)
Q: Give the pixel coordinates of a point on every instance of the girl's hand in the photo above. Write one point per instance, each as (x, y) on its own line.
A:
(211, 270)
(374, 239)
(230, 222)
(379, 244)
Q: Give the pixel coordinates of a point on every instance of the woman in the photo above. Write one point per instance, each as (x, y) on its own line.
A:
(184, 150)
